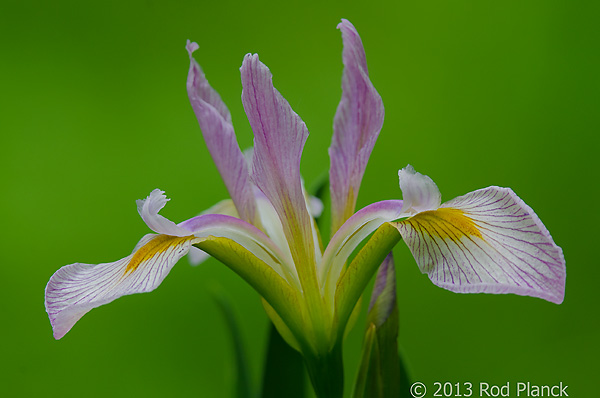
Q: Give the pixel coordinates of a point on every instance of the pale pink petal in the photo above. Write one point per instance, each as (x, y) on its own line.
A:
(279, 136)
(487, 241)
(419, 192)
(215, 122)
(356, 126)
(77, 288)
(149, 208)
(226, 206)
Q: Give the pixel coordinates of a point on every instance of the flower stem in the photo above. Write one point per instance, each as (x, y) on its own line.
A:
(326, 371)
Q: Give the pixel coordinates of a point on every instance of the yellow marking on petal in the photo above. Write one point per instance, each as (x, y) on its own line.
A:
(346, 212)
(158, 244)
(350, 204)
(447, 223)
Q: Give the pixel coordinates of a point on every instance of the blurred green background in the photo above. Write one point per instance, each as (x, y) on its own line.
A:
(94, 115)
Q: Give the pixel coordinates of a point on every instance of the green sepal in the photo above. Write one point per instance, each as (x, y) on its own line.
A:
(281, 327)
(284, 299)
(355, 278)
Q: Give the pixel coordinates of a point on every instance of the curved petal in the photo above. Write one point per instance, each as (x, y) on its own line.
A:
(215, 122)
(350, 235)
(279, 137)
(356, 126)
(419, 192)
(149, 208)
(248, 236)
(226, 206)
(487, 241)
(75, 289)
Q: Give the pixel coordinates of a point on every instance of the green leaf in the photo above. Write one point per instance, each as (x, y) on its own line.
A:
(243, 389)
(284, 374)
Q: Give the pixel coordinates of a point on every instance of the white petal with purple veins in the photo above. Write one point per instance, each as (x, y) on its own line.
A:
(487, 241)
(77, 288)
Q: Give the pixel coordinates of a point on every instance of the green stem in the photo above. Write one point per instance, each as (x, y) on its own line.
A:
(326, 371)
(284, 374)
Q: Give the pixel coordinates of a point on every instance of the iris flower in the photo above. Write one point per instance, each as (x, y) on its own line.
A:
(485, 241)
